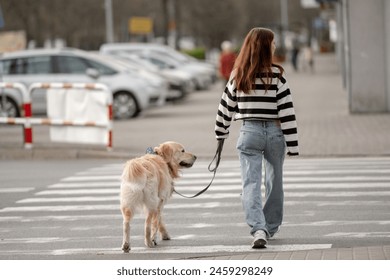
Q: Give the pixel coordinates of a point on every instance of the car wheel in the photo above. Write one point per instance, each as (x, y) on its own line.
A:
(125, 106)
(9, 107)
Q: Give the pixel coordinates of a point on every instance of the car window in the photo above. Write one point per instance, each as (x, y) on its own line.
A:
(12, 66)
(175, 56)
(162, 62)
(77, 65)
(27, 65)
(103, 69)
(71, 65)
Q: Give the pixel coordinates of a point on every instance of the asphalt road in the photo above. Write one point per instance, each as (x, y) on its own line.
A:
(70, 210)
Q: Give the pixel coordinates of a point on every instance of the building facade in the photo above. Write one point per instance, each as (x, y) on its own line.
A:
(364, 49)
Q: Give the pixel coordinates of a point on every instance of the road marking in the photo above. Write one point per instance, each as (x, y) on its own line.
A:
(338, 223)
(107, 207)
(360, 234)
(171, 250)
(92, 178)
(289, 180)
(33, 240)
(367, 173)
(209, 196)
(190, 185)
(15, 190)
(70, 199)
(80, 192)
(58, 208)
(207, 205)
(93, 196)
(53, 218)
(85, 185)
(229, 249)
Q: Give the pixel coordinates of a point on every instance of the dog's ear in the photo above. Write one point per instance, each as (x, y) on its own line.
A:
(165, 151)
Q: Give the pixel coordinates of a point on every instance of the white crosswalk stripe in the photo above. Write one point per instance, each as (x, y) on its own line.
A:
(88, 202)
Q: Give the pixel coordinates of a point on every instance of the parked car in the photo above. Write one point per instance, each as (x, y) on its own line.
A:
(131, 91)
(204, 73)
(180, 83)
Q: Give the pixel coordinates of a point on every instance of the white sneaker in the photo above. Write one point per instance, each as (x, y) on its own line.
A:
(274, 235)
(259, 240)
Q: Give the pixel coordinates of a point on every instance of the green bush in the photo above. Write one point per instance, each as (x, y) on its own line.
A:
(199, 53)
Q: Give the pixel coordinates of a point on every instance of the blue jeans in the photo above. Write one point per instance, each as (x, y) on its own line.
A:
(262, 141)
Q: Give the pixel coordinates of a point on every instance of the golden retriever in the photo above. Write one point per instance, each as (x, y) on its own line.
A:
(147, 182)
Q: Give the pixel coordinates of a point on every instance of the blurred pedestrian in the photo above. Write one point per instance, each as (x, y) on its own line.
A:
(258, 94)
(226, 60)
(308, 58)
(295, 52)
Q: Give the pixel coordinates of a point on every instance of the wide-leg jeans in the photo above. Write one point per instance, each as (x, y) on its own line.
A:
(262, 142)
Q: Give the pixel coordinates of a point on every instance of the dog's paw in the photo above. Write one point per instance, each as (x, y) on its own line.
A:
(165, 236)
(126, 247)
(150, 243)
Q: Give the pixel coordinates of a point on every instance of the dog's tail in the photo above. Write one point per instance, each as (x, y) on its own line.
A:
(135, 172)
(134, 178)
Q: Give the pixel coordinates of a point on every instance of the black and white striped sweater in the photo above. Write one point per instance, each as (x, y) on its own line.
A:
(275, 104)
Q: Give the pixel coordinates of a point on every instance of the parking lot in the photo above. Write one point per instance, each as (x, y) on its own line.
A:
(137, 79)
(325, 126)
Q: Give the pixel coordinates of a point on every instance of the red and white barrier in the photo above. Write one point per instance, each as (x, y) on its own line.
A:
(106, 123)
(27, 121)
(26, 97)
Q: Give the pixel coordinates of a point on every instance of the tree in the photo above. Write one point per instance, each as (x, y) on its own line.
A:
(82, 22)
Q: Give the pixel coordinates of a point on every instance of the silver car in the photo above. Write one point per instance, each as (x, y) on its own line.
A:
(132, 92)
(166, 57)
(180, 82)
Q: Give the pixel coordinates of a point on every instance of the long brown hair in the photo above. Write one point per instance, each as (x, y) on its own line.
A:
(255, 57)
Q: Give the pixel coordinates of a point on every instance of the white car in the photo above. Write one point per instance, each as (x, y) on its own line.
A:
(131, 91)
(203, 73)
(180, 82)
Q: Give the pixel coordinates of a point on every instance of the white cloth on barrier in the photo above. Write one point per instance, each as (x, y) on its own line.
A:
(81, 105)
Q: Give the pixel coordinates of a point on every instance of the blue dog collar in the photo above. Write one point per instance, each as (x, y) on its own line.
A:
(151, 151)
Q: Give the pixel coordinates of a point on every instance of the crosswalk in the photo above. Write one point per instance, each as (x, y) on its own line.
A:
(326, 201)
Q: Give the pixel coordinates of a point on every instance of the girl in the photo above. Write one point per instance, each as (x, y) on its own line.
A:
(258, 94)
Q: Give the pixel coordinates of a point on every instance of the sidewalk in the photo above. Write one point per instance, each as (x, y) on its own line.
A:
(357, 253)
(326, 128)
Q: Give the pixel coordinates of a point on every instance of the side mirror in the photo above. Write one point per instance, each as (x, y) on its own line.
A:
(93, 73)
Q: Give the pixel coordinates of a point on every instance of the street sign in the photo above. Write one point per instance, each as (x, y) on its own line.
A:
(12, 41)
(140, 25)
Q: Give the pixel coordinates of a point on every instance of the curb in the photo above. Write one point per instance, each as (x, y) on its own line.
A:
(60, 153)
(355, 253)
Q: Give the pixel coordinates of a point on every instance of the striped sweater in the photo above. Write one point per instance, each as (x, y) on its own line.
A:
(275, 104)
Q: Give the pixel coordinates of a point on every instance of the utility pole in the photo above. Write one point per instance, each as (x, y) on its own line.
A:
(172, 34)
(109, 21)
(283, 19)
(171, 13)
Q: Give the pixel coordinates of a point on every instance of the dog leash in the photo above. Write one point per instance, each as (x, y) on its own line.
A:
(217, 159)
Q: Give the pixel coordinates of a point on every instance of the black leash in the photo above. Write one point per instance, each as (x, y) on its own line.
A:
(217, 159)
